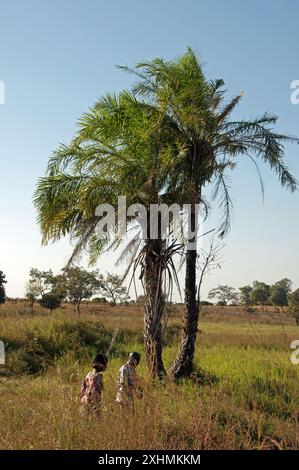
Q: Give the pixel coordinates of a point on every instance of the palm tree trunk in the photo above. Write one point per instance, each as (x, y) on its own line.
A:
(154, 307)
(183, 365)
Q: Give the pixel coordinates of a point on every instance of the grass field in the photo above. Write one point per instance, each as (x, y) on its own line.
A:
(248, 399)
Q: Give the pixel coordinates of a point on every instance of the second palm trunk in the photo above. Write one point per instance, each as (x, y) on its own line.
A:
(183, 365)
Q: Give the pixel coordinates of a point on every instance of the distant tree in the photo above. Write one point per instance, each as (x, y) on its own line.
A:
(279, 293)
(32, 293)
(246, 295)
(112, 289)
(293, 300)
(286, 283)
(224, 295)
(40, 281)
(2, 288)
(50, 301)
(81, 285)
(260, 294)
(44, 282)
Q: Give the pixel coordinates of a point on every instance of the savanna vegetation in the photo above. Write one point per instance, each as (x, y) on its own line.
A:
(245, 397)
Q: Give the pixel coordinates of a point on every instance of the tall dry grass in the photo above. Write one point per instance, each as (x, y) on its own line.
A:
(251, 403)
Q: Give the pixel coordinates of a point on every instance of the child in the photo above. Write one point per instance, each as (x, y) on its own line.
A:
(128, 382)
(92, 386)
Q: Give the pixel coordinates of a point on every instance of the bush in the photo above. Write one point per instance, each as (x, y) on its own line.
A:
(50, 301)
(38, 350)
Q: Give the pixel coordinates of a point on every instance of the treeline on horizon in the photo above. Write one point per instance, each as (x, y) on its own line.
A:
(75, 285)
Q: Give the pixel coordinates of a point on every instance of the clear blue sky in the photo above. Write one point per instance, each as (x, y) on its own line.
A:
(58, 57)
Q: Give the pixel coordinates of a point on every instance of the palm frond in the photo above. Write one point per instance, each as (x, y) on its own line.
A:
(222, 191)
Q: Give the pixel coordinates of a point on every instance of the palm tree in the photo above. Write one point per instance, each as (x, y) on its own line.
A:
(120, 150)
(209, 143)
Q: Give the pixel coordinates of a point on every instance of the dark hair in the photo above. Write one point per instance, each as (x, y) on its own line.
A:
(136, 356)
(102, 358)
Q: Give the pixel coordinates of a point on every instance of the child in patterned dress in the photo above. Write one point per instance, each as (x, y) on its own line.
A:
(92, 386)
